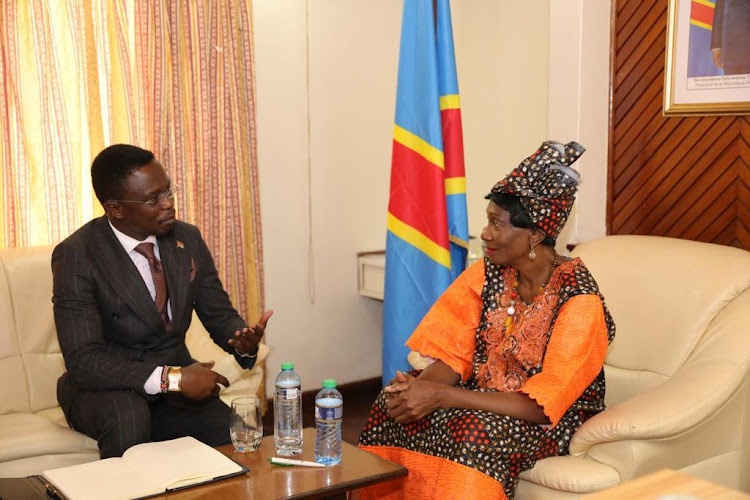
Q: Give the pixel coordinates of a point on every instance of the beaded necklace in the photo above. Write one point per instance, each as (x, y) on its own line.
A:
(509, 323)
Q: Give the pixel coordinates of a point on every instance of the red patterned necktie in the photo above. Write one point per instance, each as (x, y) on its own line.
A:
(160, 283)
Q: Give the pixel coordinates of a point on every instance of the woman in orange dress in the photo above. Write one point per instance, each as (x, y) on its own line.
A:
(517, 342)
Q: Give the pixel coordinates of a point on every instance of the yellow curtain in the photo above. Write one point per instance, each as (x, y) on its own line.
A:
(175, 77)
(51, 113)
(195, 97)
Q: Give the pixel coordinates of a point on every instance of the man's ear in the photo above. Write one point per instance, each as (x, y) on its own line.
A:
(113, 210)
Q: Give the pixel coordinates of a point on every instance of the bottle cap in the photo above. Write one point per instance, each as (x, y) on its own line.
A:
(287, 366)
(329, 383)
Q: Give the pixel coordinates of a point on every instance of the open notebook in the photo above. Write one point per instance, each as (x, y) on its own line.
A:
(144, 470)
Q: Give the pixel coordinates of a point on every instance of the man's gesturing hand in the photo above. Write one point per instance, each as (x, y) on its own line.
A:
(246, 340)
(199, 381)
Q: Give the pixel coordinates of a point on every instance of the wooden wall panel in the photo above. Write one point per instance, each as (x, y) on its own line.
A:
(684, 177)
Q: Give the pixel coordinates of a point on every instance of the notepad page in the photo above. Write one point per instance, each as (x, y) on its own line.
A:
(109, 479)
(179, 462)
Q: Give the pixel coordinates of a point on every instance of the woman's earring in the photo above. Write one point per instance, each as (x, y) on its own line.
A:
(532, 253)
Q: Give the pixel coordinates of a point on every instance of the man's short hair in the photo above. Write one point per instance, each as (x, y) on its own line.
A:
(112, 167)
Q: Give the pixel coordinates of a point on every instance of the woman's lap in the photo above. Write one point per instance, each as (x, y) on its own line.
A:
(496, 445)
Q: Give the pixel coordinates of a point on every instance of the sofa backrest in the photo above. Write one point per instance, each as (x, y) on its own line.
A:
(673, 301)
(30, 357)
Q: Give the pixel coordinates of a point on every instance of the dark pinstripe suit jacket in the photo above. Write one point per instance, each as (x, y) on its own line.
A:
(111, 334)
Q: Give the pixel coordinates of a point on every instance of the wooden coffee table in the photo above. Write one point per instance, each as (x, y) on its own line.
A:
(357, 469)
(665, 484)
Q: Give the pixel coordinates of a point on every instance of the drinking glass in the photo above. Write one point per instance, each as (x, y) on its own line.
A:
(246, 427)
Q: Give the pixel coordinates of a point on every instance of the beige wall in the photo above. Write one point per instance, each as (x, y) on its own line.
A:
(579, 105)
(321, 322)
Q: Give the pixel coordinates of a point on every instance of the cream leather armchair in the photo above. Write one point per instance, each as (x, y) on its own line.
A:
(34, 435)
(677, 373)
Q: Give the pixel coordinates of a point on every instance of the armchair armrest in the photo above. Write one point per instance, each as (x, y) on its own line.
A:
(648, 431)
(417, 361)
(241, 382)
(691, 396)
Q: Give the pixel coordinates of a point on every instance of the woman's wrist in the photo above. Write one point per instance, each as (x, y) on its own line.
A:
(444, 395)
(440, 373)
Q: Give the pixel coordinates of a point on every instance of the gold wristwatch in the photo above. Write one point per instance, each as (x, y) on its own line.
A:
(174, 379)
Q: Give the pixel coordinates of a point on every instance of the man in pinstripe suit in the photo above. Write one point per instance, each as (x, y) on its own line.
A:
(125, 287)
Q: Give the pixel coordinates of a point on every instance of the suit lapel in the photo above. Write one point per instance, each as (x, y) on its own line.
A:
(176, 264)
(122, 275)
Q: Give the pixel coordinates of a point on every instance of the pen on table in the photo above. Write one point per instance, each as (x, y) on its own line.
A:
(291, 461)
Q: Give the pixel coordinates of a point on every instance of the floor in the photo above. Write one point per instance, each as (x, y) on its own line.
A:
(358, 398)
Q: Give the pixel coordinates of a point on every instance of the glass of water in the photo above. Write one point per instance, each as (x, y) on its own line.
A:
(246, 427)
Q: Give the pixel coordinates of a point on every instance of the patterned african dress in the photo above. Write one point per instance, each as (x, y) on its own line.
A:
(553, 350)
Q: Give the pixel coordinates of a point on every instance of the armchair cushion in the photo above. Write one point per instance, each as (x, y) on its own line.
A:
(16, 429)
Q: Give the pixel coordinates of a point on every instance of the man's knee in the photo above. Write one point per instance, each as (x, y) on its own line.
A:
(116, 419)
(208, 422)
(132, 418)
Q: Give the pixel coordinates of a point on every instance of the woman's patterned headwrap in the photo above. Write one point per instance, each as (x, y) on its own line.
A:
(546, 185)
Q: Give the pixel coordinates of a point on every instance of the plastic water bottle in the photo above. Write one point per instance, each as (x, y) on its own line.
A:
(287, 412)
(329, 410)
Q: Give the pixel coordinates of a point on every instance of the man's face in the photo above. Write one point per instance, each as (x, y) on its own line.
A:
(139, 220)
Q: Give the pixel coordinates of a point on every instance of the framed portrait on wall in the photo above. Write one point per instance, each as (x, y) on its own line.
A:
(708, 58)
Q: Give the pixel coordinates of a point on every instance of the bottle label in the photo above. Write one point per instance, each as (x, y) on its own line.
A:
(287, 393)
(329, 413)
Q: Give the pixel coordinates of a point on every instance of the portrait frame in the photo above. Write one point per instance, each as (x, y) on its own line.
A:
(695, 94)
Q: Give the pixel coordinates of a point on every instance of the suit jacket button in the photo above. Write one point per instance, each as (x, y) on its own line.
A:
(115, 316)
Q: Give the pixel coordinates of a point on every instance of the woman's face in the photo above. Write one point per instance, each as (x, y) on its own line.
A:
(504, 242)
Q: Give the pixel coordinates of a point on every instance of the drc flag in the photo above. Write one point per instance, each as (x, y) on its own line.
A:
(700, 59)
(427, 239)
